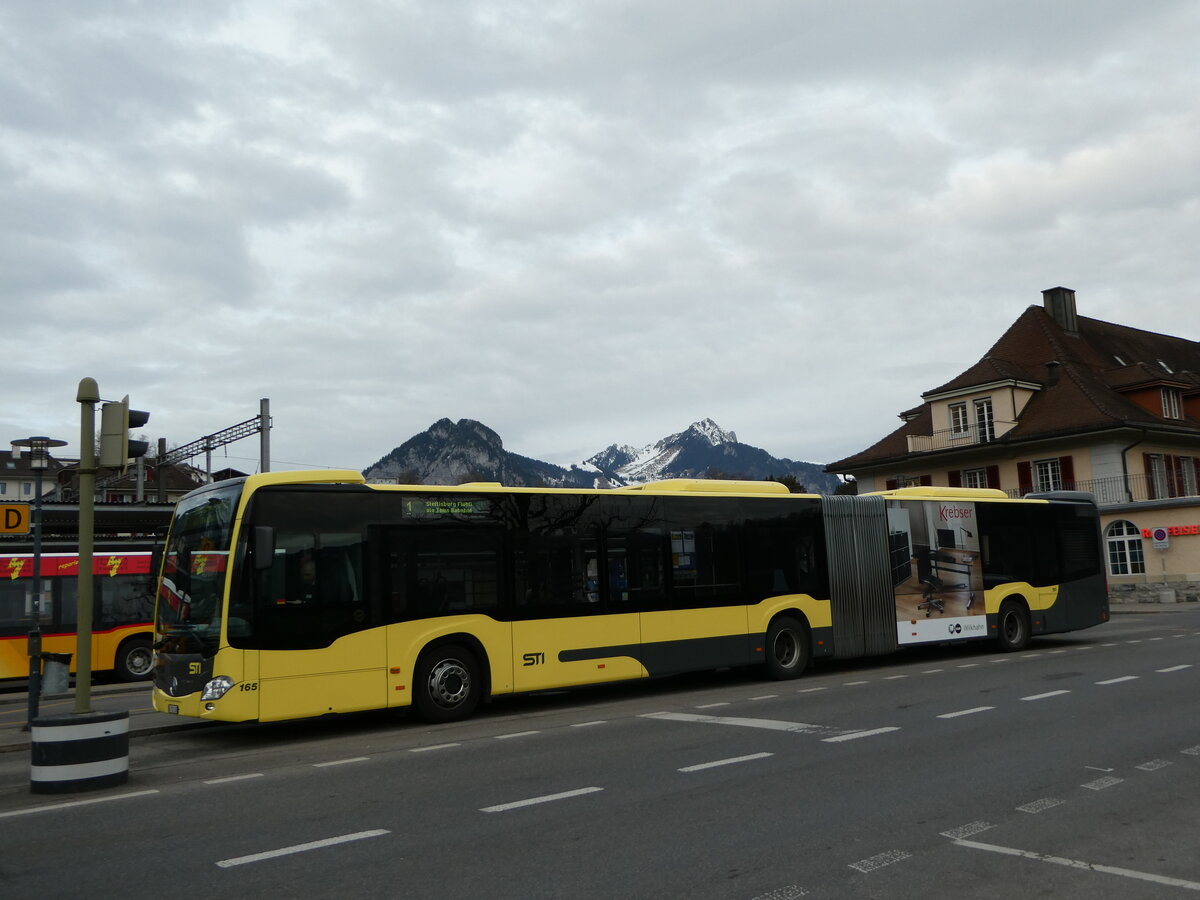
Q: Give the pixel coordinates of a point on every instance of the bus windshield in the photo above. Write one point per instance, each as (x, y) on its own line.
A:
(188, 613)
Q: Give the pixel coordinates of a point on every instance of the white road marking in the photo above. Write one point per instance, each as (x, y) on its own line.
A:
(809, 690)
(790, 892)
(1101, 783)
(738, 721)
(932, 671)
(1154, 765)
(855, 735)
(894, 677)
(965, 712)
(1175, 668)
(230, 778)
(515, 734)
(590, 724)
(725, 762)
(968, 665)
(965, 831)
(533, 801)
(871, 863)
(853, 683)
(1119, 680)
(433, 747)
(300, 848)
(1044, 696)
(765, 697)
(1079, 864)
(1042, 805)
(53, 806)
(341, 762)
(712, 705)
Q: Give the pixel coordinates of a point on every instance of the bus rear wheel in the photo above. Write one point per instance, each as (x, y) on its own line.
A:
(135, 660)
(788, 648)
(1013, 626)
(447, 683)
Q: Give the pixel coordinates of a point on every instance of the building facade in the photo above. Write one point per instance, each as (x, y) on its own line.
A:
(1065, 402)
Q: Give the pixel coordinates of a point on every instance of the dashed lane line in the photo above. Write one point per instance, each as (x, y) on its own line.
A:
(1080, 864)
(1119, 680)
(53, 806)
(229, 778)
(855, 735)
(300, 848)
(340, 762)
(1045, 695)
(734, 760)
(965, 712)
(534, 801)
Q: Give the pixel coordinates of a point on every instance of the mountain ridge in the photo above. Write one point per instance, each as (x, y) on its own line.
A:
(451, 452)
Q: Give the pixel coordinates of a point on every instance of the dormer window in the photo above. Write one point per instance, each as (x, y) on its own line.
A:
(959, 425)
(1171, 403)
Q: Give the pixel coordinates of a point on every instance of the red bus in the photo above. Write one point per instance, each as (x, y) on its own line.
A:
(122, 614)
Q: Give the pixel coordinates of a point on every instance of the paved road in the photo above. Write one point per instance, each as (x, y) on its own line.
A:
(1071, 769)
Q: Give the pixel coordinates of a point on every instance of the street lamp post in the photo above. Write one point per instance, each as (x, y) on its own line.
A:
(39, 461)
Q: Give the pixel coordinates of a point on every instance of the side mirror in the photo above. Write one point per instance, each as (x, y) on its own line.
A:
(264, 547)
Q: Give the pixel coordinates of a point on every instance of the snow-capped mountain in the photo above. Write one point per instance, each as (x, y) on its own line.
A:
(453, 453)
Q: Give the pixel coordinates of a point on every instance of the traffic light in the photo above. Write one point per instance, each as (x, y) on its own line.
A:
(116, 449)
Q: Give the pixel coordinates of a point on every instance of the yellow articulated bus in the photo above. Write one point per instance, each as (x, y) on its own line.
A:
(285, 595)
(123, 607)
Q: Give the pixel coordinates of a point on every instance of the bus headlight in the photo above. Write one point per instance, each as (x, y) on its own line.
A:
(216, 688)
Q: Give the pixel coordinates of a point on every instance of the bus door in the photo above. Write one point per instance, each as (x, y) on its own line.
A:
(569, 624)
(313, 624)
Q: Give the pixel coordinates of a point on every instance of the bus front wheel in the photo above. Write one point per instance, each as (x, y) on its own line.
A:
(1013, 625)
(135, 660)
(788, 650)
(447, 683)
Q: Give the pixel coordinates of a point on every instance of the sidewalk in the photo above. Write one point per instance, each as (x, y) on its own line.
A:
(144, 721)
(135, 698)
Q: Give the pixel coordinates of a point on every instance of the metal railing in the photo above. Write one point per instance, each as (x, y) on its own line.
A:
(1123, 489)
(952, 438)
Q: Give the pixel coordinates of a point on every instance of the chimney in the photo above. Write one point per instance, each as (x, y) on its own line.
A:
(16, 452)
(1053, 372)
(1060, 304)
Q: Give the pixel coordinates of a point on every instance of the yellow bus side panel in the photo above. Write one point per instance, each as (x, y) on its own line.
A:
(1038, 598)
(690, 624)
(406, 640)
(542, 651)
(818, 613)
(348, 675)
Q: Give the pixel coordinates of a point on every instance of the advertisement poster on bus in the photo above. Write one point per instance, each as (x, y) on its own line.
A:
(936, 571)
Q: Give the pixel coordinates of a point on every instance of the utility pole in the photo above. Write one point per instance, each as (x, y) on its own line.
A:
(88, 396)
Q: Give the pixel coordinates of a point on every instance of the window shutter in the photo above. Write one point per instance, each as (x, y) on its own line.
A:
(993, 477)
(1066, 472)
(926, 480)
(1024, 477)
(1148, 465)
(955, 478)
(1175, 474)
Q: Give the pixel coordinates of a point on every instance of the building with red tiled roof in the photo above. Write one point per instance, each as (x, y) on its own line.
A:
(1064, 402)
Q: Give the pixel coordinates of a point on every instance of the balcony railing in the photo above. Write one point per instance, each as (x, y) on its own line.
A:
(953, 438)
(1125, 489)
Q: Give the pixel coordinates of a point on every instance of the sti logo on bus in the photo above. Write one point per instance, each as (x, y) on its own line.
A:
(534, 659)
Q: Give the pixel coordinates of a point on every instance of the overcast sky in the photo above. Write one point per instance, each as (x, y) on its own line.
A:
(578, 222)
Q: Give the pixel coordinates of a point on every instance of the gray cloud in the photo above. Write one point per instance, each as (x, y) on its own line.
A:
(578, 223)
